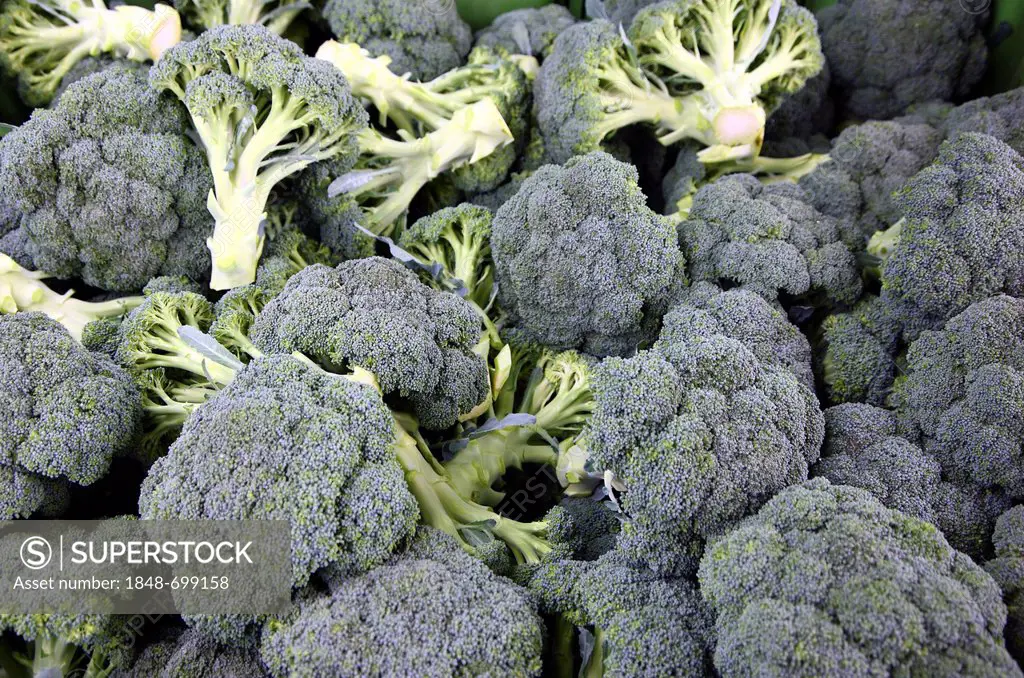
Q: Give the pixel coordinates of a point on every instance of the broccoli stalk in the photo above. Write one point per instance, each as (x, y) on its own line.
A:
(730, 61)
(212, 13)
(53, 655)
(392, 171)
(24, 291)
(41, 40)
(263, 111)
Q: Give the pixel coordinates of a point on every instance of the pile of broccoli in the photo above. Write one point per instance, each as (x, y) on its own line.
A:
(612, 338)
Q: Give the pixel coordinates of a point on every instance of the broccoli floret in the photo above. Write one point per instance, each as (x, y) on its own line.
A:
(530, 32)
(745, 316)
(13, 239)
(868, 163)
(312, 448)
(181, 653)
(333, 220)
(770, 240)
(458, 239)
(581, 262)
(92, 65)
(88, 645)
(857, 353)
(424, 39)
(27, 495)
(961, 394)
(963, 235)
(375, 314)
(681, 425)
(643, 624)
(707, 70)
(422, 108)
(825, 580)
(582, 528)
(263, 111)
(886, 56)
(447, 614)
(109, 184)
(808, 112)
(42, 40)
(24, 291)
(997, 116)
(69, 412)
(276, 15)
(863, 449)
(1007, 568)
(617, 11)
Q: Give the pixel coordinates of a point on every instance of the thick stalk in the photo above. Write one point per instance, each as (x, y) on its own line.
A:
(485, 460)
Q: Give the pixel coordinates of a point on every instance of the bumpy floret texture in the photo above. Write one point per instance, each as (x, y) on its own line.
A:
(683, 424)
(745, 316)
(425, 38)
(182, 653)
(27, 495)
(581, 262)
(886, 56)
(622, 11)
(67, 412)
(770, 240)
(437, 610)
(963, 238)
(376, 314)
(806, 113)
(582, 528)
(527, 31)
(1007, 568)
(111, 188)
(650, 625)
(857, 353)
(963, 394)
(868, 162)
(863, 448)
(825, 580)
(286, 441)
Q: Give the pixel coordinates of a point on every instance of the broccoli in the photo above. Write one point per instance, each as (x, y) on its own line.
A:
(866, 165)
(263, 111)
(430, 611)
(681, 425)
(745, 316)
(375, 314)
(857, 353)
(181, 653)
(92, 65)
(91, 646)
(704, 70)
(960, 394)
(997, 116)
(580, 261)
(69, 412)
(24, 291)
(643, 624)
(962, 238)
(332, 220)
(886, 56)
(825, 580)
(617, 11)
(863, 449)
(42, 40)
(530, 32)
(424, 38)
(421, 108)
(109, 185)
(582, 528)
(276, 15)
(770, 240)
(804, 116)
(1007, 568)
(27, 495)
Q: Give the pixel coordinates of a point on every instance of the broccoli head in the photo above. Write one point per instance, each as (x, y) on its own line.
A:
(41, 41)
(997, 116)
(867, 163)
(425, 38)
(886, 56)
(857, 353)
(581, 261)
(1007, 568)
(530, 32)
(963, 235)
(863, 448)
(805, 114)
(770, 240)
(825, 580)
(293, 443)
(181, 653)
(28, 495)
(961, 394)
(682, 424)
(110, 186)
(263, 111)
(431, 611)
(68, 412)
(375, 314)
